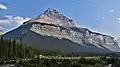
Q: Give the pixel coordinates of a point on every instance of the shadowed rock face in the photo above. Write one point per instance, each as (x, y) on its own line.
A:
(53, 30)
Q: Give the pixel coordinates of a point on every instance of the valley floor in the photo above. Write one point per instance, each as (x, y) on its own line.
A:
(52, 61)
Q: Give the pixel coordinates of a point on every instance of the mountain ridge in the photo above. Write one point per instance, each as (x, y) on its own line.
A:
(49, 24)
(52, 16)
(53, 9)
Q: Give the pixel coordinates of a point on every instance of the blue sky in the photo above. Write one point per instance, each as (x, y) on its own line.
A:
(97, 15)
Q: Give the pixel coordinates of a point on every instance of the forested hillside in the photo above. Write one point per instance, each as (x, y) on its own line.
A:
(12, 49)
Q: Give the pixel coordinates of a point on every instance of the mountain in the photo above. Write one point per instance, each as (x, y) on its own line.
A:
(118, 40)
(52, 16)
(53, 30)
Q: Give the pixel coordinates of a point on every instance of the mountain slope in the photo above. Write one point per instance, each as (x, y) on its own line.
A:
(118, 40)
(31, 37)
(53, 30)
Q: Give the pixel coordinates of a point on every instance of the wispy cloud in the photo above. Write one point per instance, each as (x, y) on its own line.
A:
(3, 7)
(4, 21)
(1, 27)
(118, 19)
(17, 19)
(102, 17)
(12, 22)
(111, 10)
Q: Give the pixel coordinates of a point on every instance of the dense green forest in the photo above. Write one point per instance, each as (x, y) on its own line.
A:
(11, 49)
(14, 49)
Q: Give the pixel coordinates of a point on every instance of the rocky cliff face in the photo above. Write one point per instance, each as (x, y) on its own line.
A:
(78, 35)
(52, 16)
(51, 23)
(118, 40)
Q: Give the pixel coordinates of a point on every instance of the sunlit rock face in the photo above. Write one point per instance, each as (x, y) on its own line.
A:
(78, 35)
(52, 16)
(54, 24)
(118, 40)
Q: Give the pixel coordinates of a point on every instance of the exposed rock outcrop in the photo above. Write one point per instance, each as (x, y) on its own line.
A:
(51, 23)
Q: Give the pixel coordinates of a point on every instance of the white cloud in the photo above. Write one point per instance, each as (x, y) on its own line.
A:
(17, 19)
(1, 27)
(112, 10)
(3, 7)
(12, 22)
(4, 21)
(118, 19)
(103, 18)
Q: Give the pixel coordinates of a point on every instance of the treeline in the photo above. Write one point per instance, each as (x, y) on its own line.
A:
(82, 62)
(12, 49)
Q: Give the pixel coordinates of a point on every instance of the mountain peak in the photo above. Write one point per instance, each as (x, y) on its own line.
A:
(51, 10)
(55, 14)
